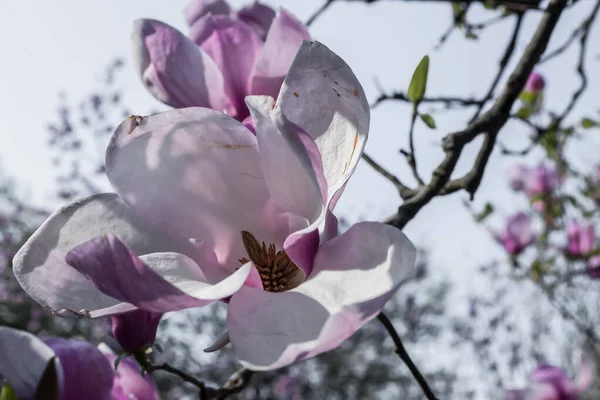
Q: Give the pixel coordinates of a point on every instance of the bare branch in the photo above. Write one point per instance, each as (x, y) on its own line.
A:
(510, 48)
(447, 101)
(318, 13)
(402, 189)
(491, 121)
(402, 353)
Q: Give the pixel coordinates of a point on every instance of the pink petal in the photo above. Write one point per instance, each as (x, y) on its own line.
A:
(197, 9)
(174, 69)
(294, 176)
(233, 46)
(159, 282)
(25, 360)
(585, 375)
(353, 277)
(258, 16)
(196, 172)
(86, 372)
(322, 96)
(129, 383)
(40, 265)
(281, 45)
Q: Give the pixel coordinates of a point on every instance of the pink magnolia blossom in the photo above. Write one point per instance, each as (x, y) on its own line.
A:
(581, 239)
(593, 266)
(61, 369)
(516, 235)
(535, 83)
(541, 181)
(207, 210)
(517, 176)
(257, 15)
(135, 330)
(551, 383)
(226, 57)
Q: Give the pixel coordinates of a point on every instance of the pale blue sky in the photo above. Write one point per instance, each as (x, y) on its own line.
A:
(56, 45)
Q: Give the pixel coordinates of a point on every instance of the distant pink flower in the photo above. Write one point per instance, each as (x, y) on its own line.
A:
(227, 56)
(517, 176)
(581, 239)
(287, 388)
(207, 210)
(551, 383)
(593, 266)
(542, 180)
(517, 234)
(535, 83)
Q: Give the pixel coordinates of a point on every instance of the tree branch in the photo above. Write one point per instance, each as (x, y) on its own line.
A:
(318, 13)
(491, 121)
(402, 189)
(401, 351)
(510, 48)
(447, 101)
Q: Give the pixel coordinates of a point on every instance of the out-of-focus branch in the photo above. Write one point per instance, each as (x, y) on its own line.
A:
(318, 13)
(402, 353)
(490, 123)
(581, 29)
(581, 64)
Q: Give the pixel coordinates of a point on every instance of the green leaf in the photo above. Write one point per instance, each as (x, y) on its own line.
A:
(528, 97)
(588, 123)
(471, 36)
(418, 82)
(428, 119)
(524, 112)
(487, 211)
(8, 393)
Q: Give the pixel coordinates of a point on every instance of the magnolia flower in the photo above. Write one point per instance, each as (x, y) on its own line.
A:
(61, 369)
(541, 181)
(257, 15)
(135, 330)
(535, 83)
(581, 239)
(593, 266)
(207, 210)
(516, 235)
(223, 61)
(517, 176)
(551, 383)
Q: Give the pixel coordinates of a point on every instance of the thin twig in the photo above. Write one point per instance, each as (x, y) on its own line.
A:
(510, 48)
(320, 11)
(447, 101)
(402, 189)
(401, 351)
(581, 63)
(235, 384)
(183, 375)
(560, 49)
(411, 157)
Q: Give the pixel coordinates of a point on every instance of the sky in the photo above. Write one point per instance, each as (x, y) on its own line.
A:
(64, 45)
